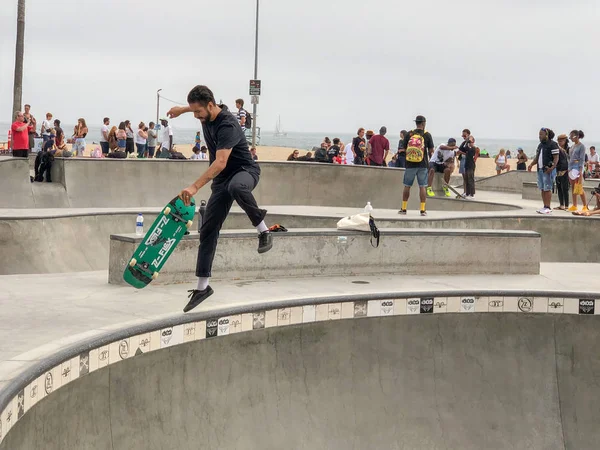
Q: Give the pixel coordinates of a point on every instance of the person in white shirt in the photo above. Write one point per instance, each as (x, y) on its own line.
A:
(141, 137)
(594, 163)
(104, 130)
(47, 127)
(442, 161)
(166, 138)
(349, 153)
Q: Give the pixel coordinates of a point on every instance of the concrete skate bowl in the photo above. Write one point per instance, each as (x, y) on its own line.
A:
(110, 183)
(301, 378)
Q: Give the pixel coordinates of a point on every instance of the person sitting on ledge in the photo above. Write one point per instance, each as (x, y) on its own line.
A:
(307, 157)
(501, 162)
(293, 156)
(596, 210)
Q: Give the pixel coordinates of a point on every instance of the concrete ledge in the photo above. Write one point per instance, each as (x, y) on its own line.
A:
(530, 191)
(329, 252)
(506, 182)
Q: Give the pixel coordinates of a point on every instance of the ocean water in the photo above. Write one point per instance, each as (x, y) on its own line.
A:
(308, 140)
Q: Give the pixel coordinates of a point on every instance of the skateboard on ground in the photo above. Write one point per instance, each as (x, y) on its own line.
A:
(159, 242)
(458, 194)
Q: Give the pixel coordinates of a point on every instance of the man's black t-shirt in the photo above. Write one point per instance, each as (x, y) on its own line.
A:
(428, 147)
(333, 151)
(357, 147)
(463, 148)
(223, 133)
(470, 157)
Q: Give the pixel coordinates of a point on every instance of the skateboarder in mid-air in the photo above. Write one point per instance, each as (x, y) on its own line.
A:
(234, 174)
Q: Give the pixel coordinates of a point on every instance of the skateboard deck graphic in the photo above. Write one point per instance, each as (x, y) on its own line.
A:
(158, 243)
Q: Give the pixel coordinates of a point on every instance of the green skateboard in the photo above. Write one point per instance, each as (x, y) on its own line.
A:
(159, 242)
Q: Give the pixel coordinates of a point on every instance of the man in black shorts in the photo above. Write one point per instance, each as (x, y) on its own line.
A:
(234, 174)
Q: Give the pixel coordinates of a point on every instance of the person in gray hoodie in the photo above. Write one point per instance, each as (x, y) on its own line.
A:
(576, 169)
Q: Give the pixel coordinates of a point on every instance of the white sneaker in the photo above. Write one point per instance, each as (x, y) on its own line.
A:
(544, 210)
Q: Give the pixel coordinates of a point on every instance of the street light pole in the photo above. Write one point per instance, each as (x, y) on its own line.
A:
(20, 50)
(157, 104)
(254, 107)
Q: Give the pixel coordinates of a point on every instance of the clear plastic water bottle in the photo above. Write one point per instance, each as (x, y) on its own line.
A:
(139, 225)
(368, 207)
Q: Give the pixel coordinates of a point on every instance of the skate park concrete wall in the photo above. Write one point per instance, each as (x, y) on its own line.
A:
(299, 377)
(106, 183)
(506, 182)
(332, 252)
(52, 243)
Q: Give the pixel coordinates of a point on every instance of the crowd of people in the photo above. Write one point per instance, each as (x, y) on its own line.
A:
(559, 165)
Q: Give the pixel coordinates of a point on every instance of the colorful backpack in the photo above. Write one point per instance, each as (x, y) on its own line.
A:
(415, 150)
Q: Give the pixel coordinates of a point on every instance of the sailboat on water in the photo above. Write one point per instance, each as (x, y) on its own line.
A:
(278, 130)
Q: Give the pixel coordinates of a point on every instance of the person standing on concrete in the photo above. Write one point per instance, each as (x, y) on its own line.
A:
(462, 151)
(380, 147)
(418, 144)
(470, 158)
(151, 143)
(166, 140)
(234, 175)
(104, 130)
(32, 125)
(20, 136)
(359, 147)
(401, 154)
(546, 159)
(576, 169)
(562, 173)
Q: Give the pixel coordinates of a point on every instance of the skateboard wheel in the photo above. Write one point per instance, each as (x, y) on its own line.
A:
(167, 211)
(133, 262)
(155, 275)
(188, 225)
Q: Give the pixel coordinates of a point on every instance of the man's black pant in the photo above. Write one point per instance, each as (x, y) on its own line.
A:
(470, 182)
(20, 153)
(562, 186)
(239, 188)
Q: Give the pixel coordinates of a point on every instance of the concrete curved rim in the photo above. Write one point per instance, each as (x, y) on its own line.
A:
(453, 380)
(12, 390)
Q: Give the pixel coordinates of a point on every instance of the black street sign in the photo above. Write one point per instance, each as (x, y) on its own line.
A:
(254, 87)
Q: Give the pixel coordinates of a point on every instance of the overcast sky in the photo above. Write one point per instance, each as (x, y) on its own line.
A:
(501, 68)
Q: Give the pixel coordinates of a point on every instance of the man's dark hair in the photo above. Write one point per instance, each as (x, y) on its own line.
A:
(106, 119)
(201, 95)
(466, 130)
(151, 124)
(27, 104)
(593, 147)
(240, 101)
(382, 131)
(57, 123)
(336, 141)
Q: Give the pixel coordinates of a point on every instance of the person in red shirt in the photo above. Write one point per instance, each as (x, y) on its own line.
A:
(380, 147)
(20, 136)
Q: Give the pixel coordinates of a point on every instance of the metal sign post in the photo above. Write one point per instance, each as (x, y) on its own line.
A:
(254, 105)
